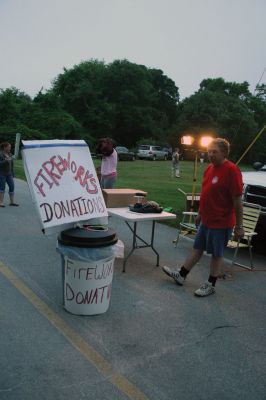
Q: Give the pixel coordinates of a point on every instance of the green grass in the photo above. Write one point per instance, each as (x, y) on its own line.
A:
(154, 177)
(19, 169)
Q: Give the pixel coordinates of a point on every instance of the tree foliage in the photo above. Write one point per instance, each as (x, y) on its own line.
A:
(133, 104)
(123, 100)
(225, 109)
(41, 118)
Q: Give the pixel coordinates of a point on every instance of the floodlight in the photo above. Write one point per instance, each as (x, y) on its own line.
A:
(187, 140)
(205, 141)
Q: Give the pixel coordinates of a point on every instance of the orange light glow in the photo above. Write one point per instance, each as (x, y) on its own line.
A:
(187, 140)
(205, 141)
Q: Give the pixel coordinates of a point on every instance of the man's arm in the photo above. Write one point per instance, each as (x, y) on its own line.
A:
(238, 207)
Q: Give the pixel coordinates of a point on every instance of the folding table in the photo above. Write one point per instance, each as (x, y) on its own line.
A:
(133, 217)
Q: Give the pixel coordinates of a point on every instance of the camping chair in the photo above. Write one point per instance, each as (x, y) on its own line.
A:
(188, 223)
(251, 213)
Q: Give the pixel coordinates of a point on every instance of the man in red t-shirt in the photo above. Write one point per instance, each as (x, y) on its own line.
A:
(220, 210)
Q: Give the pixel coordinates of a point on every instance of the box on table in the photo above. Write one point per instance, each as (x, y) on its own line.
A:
(120, 197)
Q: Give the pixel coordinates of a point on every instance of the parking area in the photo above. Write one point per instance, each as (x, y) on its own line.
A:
(157, 340)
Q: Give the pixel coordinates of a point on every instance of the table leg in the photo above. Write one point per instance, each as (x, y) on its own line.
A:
(135, 246)
(134, 231)
(152, 239)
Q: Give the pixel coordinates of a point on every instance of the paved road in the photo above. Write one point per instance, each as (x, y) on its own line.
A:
(157, 341)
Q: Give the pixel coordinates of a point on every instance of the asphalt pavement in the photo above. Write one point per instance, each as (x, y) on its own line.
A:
(157, 340)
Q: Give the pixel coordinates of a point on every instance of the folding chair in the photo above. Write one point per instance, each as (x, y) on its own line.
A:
(192, 200)
(188, 223)
(251, 213)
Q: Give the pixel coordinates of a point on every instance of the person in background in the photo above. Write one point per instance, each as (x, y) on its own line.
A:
(6, 173)
(220, 210)
(175, 163)
(109, 163)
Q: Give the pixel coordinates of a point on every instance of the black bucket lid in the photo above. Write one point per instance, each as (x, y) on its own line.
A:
(88, 236)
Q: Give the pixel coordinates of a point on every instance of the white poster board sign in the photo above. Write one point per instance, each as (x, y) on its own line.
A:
(63, 181)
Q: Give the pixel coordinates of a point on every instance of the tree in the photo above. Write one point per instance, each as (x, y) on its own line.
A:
(221, 108)
(14, 105)
(124, 100)
(261, 92)
(41, 118)
(80, 90)
(258, 107)
(131, 102)
(47, 114)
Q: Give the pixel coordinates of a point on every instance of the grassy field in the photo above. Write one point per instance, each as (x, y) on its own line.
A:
(154, 177)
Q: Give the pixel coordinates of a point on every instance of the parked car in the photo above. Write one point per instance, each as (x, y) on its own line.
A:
(151, 152)
(124, 154)
(169, 152)
(254, 191)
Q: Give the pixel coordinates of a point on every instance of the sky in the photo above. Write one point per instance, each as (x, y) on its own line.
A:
(189, 40)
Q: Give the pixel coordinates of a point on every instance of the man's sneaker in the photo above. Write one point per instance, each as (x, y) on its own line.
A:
(205, 289)
(174, 274)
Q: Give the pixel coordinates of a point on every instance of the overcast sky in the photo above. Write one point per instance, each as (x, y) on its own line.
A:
(189, 40)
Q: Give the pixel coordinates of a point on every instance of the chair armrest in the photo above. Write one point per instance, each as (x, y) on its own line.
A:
(250, 234)
(190, 213)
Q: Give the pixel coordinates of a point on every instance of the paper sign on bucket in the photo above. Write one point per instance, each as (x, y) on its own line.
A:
(87, 286)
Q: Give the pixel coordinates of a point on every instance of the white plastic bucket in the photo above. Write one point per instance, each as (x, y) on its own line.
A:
(87, 286)
(88, 256)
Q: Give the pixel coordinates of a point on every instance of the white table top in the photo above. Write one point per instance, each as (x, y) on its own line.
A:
(126, 214)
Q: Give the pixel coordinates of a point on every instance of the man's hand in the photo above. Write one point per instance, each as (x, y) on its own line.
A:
(238, 232)
(197, 220)
(238, 207)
